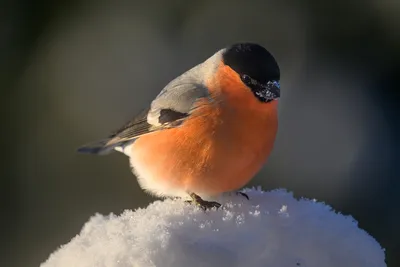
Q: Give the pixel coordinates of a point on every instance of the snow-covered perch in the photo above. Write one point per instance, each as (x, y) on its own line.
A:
(272, 229)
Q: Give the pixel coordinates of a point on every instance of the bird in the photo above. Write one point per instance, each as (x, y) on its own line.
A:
(209, 131)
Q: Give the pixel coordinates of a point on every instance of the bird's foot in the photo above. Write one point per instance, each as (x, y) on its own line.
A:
(242, 194)
(205, 205)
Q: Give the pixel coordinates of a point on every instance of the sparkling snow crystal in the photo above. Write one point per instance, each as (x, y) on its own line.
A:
(271, 229)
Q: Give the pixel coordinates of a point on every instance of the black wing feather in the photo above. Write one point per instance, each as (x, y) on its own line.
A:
(139, 125)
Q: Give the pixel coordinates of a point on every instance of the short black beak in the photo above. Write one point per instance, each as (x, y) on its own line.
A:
(274, 89)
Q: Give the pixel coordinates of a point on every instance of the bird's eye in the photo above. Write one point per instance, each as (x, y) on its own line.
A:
(246, 79)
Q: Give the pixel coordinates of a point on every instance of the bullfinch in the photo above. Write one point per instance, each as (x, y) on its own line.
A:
(208, 131)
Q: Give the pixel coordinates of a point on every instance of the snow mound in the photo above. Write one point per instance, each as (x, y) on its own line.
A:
(271, 229)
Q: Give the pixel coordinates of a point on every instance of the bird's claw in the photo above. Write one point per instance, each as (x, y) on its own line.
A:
(243, 194)
(205, 205)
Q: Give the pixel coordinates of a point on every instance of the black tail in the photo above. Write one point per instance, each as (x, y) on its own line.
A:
(98, 148)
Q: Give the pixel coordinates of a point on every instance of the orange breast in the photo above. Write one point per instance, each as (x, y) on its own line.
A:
(220, 148)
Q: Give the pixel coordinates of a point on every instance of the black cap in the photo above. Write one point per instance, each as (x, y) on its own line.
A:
(252, 60)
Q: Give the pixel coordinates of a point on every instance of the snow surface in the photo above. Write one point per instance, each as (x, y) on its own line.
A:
(272, 229)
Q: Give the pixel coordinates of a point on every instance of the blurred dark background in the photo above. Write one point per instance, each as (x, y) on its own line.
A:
(72, 71)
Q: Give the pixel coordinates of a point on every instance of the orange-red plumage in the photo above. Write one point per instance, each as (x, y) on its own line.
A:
(215, 153)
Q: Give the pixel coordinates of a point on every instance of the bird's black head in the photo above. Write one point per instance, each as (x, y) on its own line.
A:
(257, 68)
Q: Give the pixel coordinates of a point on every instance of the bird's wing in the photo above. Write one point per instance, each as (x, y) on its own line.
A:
(169, 109)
